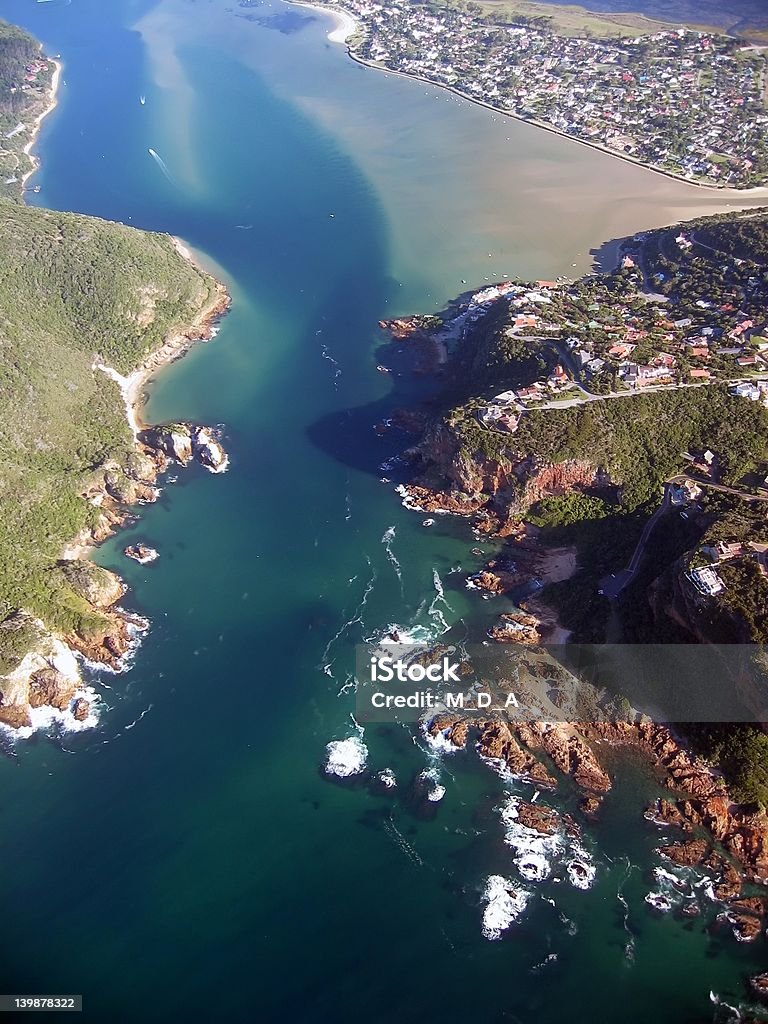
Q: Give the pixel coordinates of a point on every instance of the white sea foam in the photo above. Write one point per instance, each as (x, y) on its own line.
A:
(397, 836)
(346, 758)
(436, 791)
(356, 618)
(534, 851)
(387, 778)
(435, 610)
(439, 742)
(51, 721)
(388, 540)
(533, 867)
(336, 368)
(503, 905)
(659, 901)
(581, 871)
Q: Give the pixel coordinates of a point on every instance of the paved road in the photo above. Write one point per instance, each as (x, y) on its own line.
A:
(613, 585)
(719, 487)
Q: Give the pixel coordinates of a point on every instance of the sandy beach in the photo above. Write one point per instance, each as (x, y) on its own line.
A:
(346, 25)
(175, 345)
(53, 93)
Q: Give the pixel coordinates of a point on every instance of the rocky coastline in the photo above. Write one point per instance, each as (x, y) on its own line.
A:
(48, 675)
(724, 841)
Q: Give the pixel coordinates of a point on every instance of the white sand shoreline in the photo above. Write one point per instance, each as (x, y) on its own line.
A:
(346, 25)
(54, 99)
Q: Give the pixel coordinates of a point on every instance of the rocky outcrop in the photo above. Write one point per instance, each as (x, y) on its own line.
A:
(538, 818)
(81, 709)
(141, 553)
(487, 581)
(183, 442)
(516, 628)
(49, 686)
(454, 475)
(569, 751)
(208, 450)
(690, 854)
(99, 587)
(43, 671)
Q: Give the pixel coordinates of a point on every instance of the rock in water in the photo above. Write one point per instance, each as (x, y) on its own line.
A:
(81, 709)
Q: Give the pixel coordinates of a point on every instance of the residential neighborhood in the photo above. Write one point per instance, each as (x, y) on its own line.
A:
(612, 336)
(688, 103)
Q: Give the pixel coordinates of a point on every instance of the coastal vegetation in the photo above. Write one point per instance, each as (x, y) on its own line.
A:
(25, 83)
(623, 436)
(73, 289)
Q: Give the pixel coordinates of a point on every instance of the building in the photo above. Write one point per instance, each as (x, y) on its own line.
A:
(706, 580)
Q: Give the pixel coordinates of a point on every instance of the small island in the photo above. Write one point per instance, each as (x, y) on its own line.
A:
(141, 553)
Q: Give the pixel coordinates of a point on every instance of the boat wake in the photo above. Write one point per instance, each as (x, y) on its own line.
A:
(161, 164)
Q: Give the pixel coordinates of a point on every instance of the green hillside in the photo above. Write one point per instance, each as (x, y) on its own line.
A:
(72, 288)
(25, 80)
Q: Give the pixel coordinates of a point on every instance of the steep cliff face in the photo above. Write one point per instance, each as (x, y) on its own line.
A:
(454, 474)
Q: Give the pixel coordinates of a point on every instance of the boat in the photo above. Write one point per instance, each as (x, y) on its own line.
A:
(142, 100)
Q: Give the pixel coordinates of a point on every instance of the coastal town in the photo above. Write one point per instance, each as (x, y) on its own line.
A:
(680, 322)
(646, 326)
(691, 104)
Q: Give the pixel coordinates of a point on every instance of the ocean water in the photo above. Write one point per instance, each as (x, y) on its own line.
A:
(187, 859)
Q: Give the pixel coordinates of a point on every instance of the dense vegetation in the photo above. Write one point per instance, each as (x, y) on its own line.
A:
(741, 751)
(640, 440)
(25, 81)
(745, 236)
(72, 288)
(17, 49)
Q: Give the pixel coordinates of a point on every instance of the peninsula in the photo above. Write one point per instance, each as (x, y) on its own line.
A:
(86, 305)
(691, 104)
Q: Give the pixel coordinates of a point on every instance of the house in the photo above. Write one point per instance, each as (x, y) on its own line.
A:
(700, 374)
(505, 398)
(664, 359)
(744, 326)
(532, 394)
(729, 549)
(681, 494)
(706, 580)
(621, 350)
(745, 390)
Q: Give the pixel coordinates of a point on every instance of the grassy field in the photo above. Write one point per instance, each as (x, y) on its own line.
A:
(570, 19)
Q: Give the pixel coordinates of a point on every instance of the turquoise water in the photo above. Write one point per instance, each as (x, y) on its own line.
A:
(187, 860)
